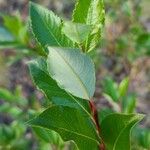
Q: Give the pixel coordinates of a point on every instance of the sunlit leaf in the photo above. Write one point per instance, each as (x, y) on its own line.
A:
(73, 71)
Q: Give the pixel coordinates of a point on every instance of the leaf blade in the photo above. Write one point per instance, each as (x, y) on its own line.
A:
(90, 12)
(118, 126)
(70, 124)
(47, 28)
(41, 78)
(6, 36)
(77, 32)
(123, 87)
(74, 66)
(81, 11)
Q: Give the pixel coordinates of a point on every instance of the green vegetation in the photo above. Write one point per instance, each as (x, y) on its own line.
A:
(63, 59)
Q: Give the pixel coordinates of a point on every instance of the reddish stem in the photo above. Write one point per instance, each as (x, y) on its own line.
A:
(95, 117)
(102, 146)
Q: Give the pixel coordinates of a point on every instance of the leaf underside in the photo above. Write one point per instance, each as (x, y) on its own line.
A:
(73, 71)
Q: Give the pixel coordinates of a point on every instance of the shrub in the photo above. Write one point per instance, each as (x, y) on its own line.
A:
(66, 75)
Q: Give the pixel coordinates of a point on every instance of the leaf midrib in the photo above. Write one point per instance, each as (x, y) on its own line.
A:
(76, 75)
(69, 95)
(48, 27)
(82, 135)
(66, 130)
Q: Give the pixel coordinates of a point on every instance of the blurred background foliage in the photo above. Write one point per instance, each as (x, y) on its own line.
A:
(122, 63)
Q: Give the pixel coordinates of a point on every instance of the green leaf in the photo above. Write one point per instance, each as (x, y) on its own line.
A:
(7, 134)
(7, 95)
(73, 71)
(11, 45)
(123, 87)
(114, 105)
(96, 18)
(143, 43)
(5, 36)
(47, 27)
(7, 40)
(14, 111)
(141, 136)
(71, 124)
(77, 32)
(17, 28)
(110, 88)
(44, 146)
(13, 24)
(81, 11)
(144, 39)
(90, 12)
(104, 112)
(49, 136)
(13, 97)
(116, 128)
(71, 103)
(129, 104)
(41, 78)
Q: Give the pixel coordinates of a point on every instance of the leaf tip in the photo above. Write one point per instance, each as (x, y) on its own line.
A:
(140, 116)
